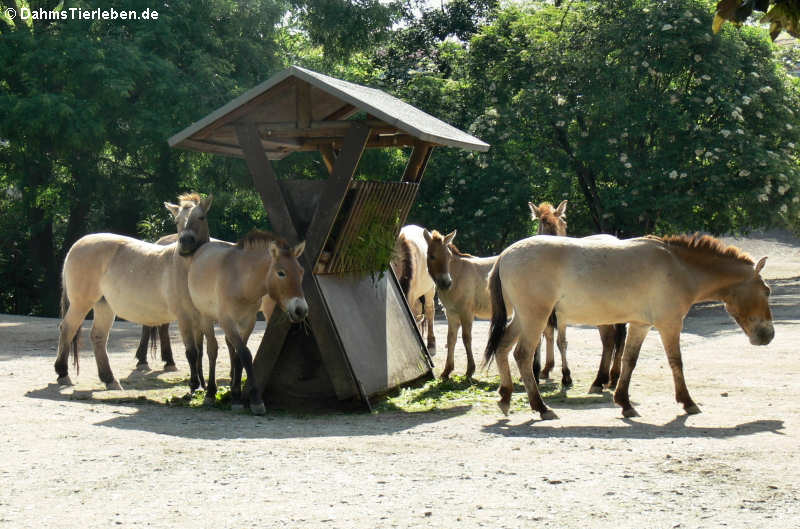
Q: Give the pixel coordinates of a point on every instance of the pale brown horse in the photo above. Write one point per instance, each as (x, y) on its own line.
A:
(227, 283)
(141, 282)
(647, 282)
(408, 262)
(462, 281)
(552, 221)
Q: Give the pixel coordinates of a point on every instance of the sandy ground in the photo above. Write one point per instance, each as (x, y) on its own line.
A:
(71, 458)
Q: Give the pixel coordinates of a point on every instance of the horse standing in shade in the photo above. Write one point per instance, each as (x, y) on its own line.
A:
(227, 284)
(408, 263)
(552, 221)
(462, 281)
(647, 282)
(139, 281)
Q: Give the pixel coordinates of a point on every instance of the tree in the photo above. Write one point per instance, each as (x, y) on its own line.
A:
(782, 15)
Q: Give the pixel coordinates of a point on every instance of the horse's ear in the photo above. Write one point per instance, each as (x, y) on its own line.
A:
(173, 208)
(298, 250)
(561, 209)
(427, 235)
(534, 210)
(760, 264)
(274, 251)
(206, 203)
(449, 237)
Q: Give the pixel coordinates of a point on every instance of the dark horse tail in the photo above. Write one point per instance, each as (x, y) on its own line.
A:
(499, 321)
(619, 337)
(63, 312)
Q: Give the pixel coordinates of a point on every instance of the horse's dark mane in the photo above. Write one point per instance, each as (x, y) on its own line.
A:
(190, 197)
(261, 239)
(406, 264)
(705, 243)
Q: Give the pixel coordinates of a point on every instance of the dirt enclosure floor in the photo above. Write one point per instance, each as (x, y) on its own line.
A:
(85, 457)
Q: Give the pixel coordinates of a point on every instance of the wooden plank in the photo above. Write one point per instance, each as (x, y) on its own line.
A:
(417, 162)
(265, 182)
(343, 113)
(270, 347)
(303, 104)
(335, 190)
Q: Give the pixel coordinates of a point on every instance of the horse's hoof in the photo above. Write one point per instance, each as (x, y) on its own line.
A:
(64, 381)
(258, 408)
(692, 410)
(549, 415)
(170, 368)
(630, 412)
(143, 367)
(596, 389)
(238, 406)
(504, 406)
(209, 400)
(431, 351)
(114, 385)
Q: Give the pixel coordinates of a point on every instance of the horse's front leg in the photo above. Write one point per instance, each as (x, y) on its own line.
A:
(453, 323)
(211, 340)
(566, 375)
(141, 351)
(246, 358)
(607, 336)
(633, 344)
(670, 337)
(103, 320)
(620, 332)
(188, 336)
(550, 359)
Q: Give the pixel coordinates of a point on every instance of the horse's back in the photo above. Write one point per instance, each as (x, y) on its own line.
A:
(595, 280)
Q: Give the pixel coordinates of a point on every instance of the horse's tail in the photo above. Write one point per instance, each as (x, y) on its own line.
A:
(621, 332)
(499, 321)
(75, 339)
(405, 265)
(153, 337)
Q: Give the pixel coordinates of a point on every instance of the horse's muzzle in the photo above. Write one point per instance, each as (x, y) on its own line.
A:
(444, 281)
(187, 244)
(763, 335)
(297, 309)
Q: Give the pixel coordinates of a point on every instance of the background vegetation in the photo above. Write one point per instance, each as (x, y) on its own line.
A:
(635, 111)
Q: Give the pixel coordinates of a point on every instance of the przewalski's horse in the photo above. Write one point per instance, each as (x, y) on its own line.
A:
(227, 283)
(552, 221)
(647, 282)
(180, 214)
(408, 263)
(462, 281)
(139, 281)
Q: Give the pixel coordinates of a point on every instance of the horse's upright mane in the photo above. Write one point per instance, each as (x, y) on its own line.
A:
(261, 239)
(190, 197)
(547, 216)
(706, 244)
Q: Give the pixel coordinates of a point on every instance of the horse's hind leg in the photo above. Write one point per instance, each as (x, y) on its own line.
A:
(68, 331)
(523, 355)
(506, 388)
(607, 337)
(550, 361)
(166, 348)
(671, 340)
(101, 326)
(633, 344)
(141, 351)
(566, 378)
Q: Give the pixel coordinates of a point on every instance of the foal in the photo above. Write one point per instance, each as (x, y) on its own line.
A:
(227, 283)
(462, 281)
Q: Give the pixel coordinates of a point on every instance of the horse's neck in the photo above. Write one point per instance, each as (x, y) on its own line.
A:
(251, 267)
(712, 276)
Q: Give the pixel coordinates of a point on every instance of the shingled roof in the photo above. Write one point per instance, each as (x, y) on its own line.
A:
(301, 110)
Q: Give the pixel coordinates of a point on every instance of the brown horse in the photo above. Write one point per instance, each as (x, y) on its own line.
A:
(647, 282)
(227, 283)
(552, 221)
(408, 263)
(141, 282)
(462, 281)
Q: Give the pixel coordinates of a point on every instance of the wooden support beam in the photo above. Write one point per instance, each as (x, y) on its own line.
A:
(335, 191)
(417, 162)
(265, 182)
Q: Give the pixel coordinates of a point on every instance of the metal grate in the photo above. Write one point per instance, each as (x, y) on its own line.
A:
(372, 214)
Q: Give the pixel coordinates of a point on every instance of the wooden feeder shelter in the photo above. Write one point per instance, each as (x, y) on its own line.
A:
(360, 339)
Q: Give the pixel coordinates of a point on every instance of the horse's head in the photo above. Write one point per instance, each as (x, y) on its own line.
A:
(285, 280)
(748, 303)
(439, 254)
(191, 222)
(551, 221)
